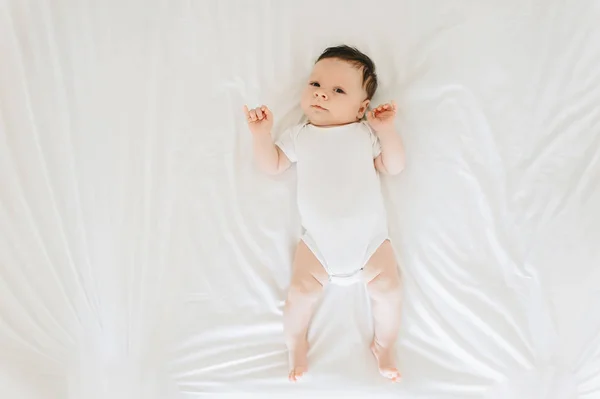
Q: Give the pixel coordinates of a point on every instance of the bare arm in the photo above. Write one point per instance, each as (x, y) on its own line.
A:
(269, 158)
(391, 161)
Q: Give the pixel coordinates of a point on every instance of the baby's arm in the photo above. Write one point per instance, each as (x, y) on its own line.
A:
(268, 156)
(391, 161)
(392, 158)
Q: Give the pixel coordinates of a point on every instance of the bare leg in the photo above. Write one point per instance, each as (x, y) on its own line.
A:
(308, 280)
(384, 287)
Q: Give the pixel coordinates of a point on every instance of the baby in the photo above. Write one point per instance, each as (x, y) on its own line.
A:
(345, 238)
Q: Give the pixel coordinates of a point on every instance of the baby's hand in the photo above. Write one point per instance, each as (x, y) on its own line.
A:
(382, 117)
(260, 119)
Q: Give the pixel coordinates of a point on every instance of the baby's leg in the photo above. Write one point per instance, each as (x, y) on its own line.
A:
(308, 280)
(384, 286)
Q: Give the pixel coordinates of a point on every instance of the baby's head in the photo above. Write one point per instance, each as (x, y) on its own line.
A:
(340, 87)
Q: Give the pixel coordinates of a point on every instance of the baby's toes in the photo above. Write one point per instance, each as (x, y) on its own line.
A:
(392, 374)
(296, 374)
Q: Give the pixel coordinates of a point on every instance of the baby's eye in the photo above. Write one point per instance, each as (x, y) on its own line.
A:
(338, 90)
(315, 84)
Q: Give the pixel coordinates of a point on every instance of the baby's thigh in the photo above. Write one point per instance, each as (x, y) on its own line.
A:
(382, 264)
(308, 274)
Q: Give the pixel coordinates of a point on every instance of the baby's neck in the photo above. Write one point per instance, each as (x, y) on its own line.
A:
(333, 124)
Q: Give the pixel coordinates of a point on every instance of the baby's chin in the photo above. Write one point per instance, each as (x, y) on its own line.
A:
(324, 122)
(324, 118)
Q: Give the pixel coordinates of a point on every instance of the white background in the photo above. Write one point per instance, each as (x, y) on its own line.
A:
(143, 256)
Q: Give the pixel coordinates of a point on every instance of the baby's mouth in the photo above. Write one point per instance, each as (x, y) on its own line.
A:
(319, 107)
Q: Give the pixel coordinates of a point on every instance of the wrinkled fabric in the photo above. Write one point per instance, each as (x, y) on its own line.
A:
(142, 254)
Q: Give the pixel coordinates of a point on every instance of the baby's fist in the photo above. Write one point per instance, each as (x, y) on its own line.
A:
(260, 119)
(382, 117)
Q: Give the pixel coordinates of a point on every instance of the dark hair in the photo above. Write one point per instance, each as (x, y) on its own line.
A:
(359, 60)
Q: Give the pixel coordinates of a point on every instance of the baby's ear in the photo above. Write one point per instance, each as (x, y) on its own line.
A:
(364, 106)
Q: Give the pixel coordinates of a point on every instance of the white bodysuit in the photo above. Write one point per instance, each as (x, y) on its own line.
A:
(339, 195)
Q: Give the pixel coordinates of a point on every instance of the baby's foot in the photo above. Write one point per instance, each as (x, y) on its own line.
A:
(385, 361)
(298, 361)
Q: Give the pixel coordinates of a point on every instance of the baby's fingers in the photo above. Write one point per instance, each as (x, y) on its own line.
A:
(246, 111)
(381, 108)
(267, 112)
(391, 106)
(252, 115)
(259, 114)
(385, 108)
(370, 115)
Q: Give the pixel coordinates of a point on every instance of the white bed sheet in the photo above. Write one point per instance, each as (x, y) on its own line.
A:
(142, 254)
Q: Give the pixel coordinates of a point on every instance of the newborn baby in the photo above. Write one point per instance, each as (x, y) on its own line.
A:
(338, 157)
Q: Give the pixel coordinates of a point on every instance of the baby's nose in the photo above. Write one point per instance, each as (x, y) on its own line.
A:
(320, 94)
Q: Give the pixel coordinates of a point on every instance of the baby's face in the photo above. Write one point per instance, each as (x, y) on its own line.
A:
(334, 94)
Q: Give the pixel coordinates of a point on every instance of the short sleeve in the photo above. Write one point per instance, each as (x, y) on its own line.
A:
(287, 142)
(375, 144)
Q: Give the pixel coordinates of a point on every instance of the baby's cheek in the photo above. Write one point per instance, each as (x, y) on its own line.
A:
(304, 103)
